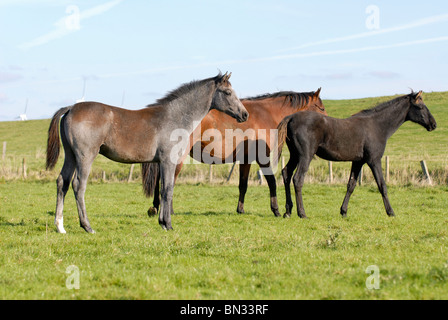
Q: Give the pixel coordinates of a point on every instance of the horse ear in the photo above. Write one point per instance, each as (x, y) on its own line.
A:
(317, 93)
(226, 77)
(419, 94)
(223, 78)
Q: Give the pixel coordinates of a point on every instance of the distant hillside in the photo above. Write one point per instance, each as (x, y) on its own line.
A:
(410, 144)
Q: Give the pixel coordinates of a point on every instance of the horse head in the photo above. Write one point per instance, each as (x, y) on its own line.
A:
(226, 100)
(419, 112)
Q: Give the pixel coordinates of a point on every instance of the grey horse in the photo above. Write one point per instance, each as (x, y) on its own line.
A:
(157, 133)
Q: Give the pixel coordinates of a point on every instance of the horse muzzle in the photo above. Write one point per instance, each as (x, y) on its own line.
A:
(244, 116)
(431, 126)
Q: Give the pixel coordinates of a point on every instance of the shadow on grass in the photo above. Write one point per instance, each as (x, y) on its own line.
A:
(206, 213)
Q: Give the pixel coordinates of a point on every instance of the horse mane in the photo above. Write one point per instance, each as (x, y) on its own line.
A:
(183, 89)
(296, 100)
(382, 106)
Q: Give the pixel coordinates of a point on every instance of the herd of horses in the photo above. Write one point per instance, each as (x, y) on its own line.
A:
(146, 136)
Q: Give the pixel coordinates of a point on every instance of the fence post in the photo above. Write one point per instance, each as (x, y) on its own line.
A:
(360, 176)
(387, 169)
(260, 175)
(210, 174)
(330, 170)
(425, 171)
(231, 171)
(131, 170)
(103, 176)
(24, 168)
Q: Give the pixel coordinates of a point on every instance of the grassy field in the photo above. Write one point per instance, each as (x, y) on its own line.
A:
(215, 253)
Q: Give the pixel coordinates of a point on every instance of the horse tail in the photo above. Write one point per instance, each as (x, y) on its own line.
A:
(150, 175)
(53, 143)
(282, 130)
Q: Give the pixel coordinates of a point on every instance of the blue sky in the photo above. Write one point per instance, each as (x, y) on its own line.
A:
(131, 52)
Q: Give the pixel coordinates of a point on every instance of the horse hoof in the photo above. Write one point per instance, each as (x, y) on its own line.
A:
(61, 230)
(277, 214)
(152, 212)
(166, 228)
(287, 215)
(89, 230)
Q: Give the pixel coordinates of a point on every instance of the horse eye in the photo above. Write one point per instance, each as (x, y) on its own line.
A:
(227, 92)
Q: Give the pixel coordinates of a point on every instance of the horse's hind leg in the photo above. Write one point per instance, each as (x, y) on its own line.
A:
(356, 169)
(79, 187)
(299, 179)
(378, 174)
(167, 177)
(270, 178)
(63, 184)
(287, 172)
(63, 180)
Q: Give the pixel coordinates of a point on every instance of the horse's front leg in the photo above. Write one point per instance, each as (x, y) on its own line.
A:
(152, 211)
(156, 201)
(244, 177)
(167, 177)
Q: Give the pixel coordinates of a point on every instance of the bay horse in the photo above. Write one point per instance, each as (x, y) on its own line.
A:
(360, 139)
(133, 136)
(220, 139)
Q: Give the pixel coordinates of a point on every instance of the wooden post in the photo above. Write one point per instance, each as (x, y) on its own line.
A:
(103, 175)
(24, 168)
(425, 171)
(330, 171)
(260, 176)
(210, 174)
(387, 169)
(231, 171)
(283, 162)
(131, 170)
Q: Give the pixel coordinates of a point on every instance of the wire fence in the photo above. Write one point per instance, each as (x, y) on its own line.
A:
(398, 171)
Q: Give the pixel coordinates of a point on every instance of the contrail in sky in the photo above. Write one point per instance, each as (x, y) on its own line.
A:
(63, 28)
(418, 23)
(252, 60)
(279, 57)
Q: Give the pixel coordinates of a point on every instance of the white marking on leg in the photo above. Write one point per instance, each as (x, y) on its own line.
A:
(60, 225)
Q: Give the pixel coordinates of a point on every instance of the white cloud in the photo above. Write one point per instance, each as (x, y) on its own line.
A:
(70, 23)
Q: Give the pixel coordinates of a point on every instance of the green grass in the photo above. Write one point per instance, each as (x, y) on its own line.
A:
(215, 253)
